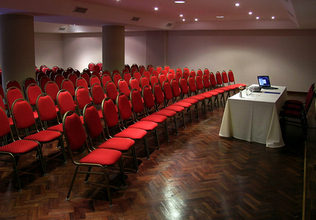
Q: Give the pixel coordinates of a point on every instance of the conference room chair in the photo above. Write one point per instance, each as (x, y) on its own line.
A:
(161, 103)
(24, 121)
(43, 82)
(155, 73)
(200, 90)
(105, 72)
(134, 84)
(32, 92)
(161, 78)
(140, 114)
(96, 134)
(112, 122)
(220, 84)
(220, 91)
(144, 81)
(96, 73)
(87, 71)
(111, 90)
(69, 86)
(194, 94)
(186, 73)
(178, 74)
(82, 82)
(199, 72)
(1, 91)
(51, 88)
(86, 76)
(147, 74)
(116, 77)
(170, 102)
(73, 78)
(226, 82)
(141, 69)
(59, 79)
(232, 79)
(193, 74)
(16, 148)
(166, 68)
(170, 76)
(82, 97)
(123, 87)
(97, 95)
(3, 106)
(127, 119)
(158, 69)
(186, 69)
(94, 79)
(76, 72)
(39, 75)
(27, 82)
(91, 66)
(297, 104)
(150, 69)
(207, 88)
(153, 80)
(287, 115)
(13, 83)
(99, 158)
(127, 76)
(134, 70)
(12, 94)
(137, 75)
(66, 103)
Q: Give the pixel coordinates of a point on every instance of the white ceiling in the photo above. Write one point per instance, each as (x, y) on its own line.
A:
(59, 16)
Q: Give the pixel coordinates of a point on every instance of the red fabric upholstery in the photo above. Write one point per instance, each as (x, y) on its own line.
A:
(74, 131)
(65, 102)
(118, 143)
(110, 112)
(19, 146)
(97, 94)
(82, 97)
(133, 133)
(43, 136)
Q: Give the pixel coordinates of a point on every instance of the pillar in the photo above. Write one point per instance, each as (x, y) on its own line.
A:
(113, 47)
(17, 47)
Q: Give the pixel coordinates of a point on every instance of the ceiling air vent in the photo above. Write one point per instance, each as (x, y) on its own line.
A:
(169, 25)
(135, 19)
(62, 29)
(80, 10)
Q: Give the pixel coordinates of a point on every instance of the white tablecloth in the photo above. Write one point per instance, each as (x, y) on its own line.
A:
(255, 117)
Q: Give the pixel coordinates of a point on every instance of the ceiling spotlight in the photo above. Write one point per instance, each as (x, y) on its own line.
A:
(237, 4)
(156, 8)
(183, 19)
(179, 2)
(257, 18)
(220, 16)
(181, 15)
(272, 17)
(196, 19)
(250, 13)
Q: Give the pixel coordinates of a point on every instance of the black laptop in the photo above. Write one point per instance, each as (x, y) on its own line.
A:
(264, 82)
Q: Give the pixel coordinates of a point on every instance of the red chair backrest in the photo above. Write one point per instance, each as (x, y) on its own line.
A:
(134, 84)
(5, 125)
(94, 79)
(109, 112)
(92, 121)
(22, 114)
(105, 78)
(111, 90)
(158, 93)
(46, 107)
(73, 78)
(116, 78)
(124, 106)
(28, 81)
(199, 82)
(136, 100)
(43, 82)
(82, 97)
(167, 90)
(97, 94)
(212, 79)
(127, 76)
(67, 85)
(58, 80)
(13, 94)
(137, 75)
(148, 97)
(13, 83)
(82, 82)
(51, 88)
(123, 87)
(192, 85)
(219, 78)
(199, 72)
(147, 74)
(65, 102)
(33, 91)
(162, 78)
(224, 77)
(206, 81)
(175, 88)
(184, 85)
(144, 81)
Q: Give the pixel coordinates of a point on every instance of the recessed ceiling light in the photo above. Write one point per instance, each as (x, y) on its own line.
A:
(250, 12)
(181, 15)
(156, 8)
(179, 2)
(237, 4)
(196, 19)
(257, 18)
(183, 19)
(272, 17)
(220, 16)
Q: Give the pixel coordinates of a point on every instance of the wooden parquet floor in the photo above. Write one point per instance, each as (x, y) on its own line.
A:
(197, 175)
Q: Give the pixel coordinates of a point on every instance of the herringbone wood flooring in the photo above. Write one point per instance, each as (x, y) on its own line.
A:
(197, 175)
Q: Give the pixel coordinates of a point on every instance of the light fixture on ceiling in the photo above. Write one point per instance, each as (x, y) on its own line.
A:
(237, 4)
(181, 15)
(257, 18)
(183, 19)
(179, 2)
(196, 19)
(156, 8)
(250, 13)
(220, 16)
(272, 17)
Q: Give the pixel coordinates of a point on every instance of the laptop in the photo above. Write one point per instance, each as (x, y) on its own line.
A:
(264, 82)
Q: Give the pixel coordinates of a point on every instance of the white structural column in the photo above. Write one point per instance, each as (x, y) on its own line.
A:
(17, 47)
(113, 47)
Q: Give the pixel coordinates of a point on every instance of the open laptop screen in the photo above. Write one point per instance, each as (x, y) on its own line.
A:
(264, 81)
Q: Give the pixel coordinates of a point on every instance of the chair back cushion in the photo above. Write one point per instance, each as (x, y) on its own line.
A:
(74, 131)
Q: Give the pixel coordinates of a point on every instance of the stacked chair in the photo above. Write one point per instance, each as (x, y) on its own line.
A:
(104, 114)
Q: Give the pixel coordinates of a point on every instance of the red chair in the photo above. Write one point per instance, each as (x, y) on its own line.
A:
(140, 113)
(111, 90)
(219, 90)
(13, 94)
(73, 78)
(153, 80)
(91, 66)
(162, 78)
(47, 113)
(100, 158)
(82, 82)
(207, 88)
(127, 76)
(59, 79)
(232, 79)
(296, 104)
(86, 76)
(220, 84)
(111, 121)
(94, 79)
(199, 73)
(95, 132)
(146, 74)
(105, 78)
(65, 103)
(32, 92)
(134, 84)
(126, 115)
(82, 98)
(144, 81)
(193, 74)
(97, 94)
(3, 106)
(27, 82)
(17, 147)
(155, 73)
(186, 73)
(51, 88)
(158, 69)
(137, 75)
(123, 87)
(24, 120)
(67, 85)
(200, 90)
(43, 82)
(193, 93)
(226, 83)
(13, 83)
(116, 78)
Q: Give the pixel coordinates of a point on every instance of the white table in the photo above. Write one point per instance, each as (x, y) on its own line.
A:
(255, 118)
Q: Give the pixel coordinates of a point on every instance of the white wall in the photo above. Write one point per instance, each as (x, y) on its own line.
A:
(286, 55)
